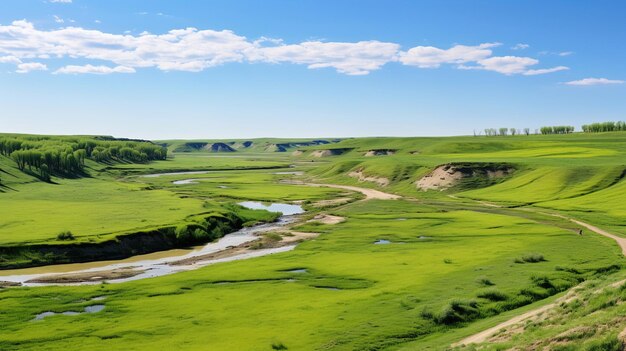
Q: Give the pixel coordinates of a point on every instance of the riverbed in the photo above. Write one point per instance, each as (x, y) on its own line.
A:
(160, 263)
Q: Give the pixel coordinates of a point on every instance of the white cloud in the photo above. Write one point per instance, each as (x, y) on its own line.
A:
(534, 72)
(432, 57)
(565, 53)
(71, 69)
(58, 19)
(349, 58)
(594, 81)
(194, 50)
(10, 59)
(507, 64)
(61, 1)
(520, 46)
(31, 66)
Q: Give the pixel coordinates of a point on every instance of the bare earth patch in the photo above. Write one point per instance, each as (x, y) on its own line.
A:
(327, 219)
(82, 277)
(6, 284)
(369, 193)
(381, 181)
(379, 152)
(443, 177)
(448, 176)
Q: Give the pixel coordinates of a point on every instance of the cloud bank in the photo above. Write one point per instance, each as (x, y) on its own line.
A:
(195, 50)
(594, 81)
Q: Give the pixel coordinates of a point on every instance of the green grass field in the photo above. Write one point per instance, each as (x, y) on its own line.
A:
(452, 265)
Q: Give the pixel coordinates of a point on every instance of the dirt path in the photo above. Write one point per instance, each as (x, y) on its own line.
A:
(620, 241)
(369, 193)
(485, 334)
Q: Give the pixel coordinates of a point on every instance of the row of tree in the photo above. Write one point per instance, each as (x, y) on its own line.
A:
(527, 131)
(557, 130)
(64, 156)
(619, 126)
(505, 131)
(587, 128)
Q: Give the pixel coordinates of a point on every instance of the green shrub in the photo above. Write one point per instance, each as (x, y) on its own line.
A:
(273, 237)
(535, 293)
(493, 294)
(66, 235)
(458, 311)
(530, 258)
(543, 282)
(279, 346)
(611, 343)
(183, 234)
(482, 280)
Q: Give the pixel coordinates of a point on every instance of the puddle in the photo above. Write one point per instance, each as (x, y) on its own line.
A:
(422, 237)
(88, 309)
(382, 242)
(185, 181)
(327, 288)
(223, 187)
(94, 308)
(302, 270)
(285, 209)
(44, 315)
(400, 219)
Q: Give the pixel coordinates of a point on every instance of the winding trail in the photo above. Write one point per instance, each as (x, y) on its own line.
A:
(620, 241)
(487, 333)
(369, 193)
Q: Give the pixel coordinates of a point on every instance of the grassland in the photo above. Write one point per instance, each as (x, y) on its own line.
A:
(455, 263)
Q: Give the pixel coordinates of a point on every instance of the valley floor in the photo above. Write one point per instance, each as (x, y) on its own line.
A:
(377, 266)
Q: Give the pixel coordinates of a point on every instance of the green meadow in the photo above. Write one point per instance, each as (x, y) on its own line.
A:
(418, 273)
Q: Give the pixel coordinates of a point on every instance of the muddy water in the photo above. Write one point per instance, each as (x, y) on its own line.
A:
(157, 264)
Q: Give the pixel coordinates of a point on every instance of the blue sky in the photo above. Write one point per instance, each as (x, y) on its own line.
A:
(227, 69)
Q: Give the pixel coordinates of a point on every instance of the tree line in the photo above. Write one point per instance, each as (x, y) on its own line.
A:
(587, 128)
(505, 131)
(557, 130)
(65, 156)
(619, 126)
(527, 131)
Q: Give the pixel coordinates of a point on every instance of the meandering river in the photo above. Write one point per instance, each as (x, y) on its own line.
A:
(161, 263)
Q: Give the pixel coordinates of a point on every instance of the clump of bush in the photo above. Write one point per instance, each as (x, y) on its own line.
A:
(492, 294)
(458, 311)
(530, 258)
(66, 235)
(482, 280)
(279, 346)
(268, 240)
(273, 237)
